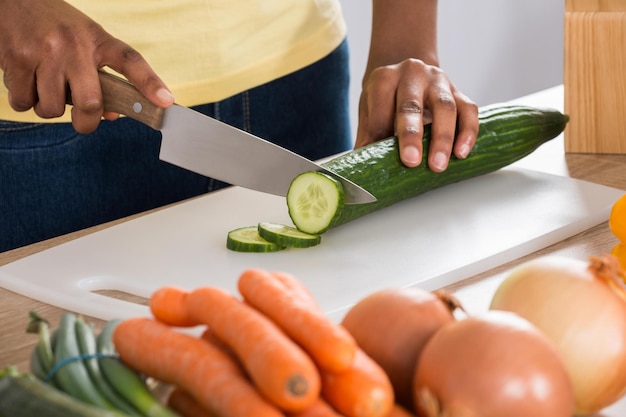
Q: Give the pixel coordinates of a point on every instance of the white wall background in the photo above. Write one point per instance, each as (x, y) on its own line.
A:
(493, 50)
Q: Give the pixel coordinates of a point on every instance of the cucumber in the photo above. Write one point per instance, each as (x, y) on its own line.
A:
(247, 239)
(507, 133)
(24, 395)
(287, 236)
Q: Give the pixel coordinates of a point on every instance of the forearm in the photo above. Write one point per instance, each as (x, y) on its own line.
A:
(403, 29)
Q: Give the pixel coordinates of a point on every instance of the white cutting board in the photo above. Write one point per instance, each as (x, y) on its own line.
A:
(431, 240)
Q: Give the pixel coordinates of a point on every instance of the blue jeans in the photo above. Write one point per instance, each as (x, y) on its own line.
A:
(54, 181)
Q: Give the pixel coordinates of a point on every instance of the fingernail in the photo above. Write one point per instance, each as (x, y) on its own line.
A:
(440, 161)
(464, 150)
(411, 156)
(165, 96)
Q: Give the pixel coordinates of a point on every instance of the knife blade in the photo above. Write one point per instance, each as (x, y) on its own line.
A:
(215, 149)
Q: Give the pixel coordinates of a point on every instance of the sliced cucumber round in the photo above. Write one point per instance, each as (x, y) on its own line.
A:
(288, 236)
(247, 239)
(315, 201)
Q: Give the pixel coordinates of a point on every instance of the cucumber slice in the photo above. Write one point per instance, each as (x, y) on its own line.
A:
(287, 236)
(315, 201)
(247, 239)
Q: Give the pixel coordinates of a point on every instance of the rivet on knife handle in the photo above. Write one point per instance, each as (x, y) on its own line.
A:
(122, 97)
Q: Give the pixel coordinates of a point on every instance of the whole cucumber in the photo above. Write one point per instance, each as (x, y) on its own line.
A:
(506, 134)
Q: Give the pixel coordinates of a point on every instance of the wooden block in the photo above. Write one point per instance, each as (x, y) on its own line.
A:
(595, 6)
(595, 76)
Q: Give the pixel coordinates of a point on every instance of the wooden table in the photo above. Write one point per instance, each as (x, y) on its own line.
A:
(609, 170)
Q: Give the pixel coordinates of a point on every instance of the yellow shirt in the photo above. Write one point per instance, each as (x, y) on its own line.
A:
(208, 50)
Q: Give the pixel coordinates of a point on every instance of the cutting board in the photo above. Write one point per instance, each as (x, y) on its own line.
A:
(430, 241)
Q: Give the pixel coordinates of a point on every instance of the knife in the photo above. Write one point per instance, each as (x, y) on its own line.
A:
(215, 149)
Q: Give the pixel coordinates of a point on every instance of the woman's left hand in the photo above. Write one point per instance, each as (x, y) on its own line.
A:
(401, 99)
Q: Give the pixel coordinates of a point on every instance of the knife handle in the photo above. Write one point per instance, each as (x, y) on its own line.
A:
(120, 96)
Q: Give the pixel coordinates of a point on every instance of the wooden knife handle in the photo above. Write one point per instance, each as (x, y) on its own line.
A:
(122, 97)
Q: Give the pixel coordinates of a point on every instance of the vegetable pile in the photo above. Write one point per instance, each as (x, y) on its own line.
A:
(269, 353)
(552, 344)
(316, 201)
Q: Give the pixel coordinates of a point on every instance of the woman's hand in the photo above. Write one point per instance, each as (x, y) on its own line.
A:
(50, 48)
(400, 99)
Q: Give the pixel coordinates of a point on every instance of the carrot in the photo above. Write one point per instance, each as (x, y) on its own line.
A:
(208, 336)
(168, 305)
(206, 373)
(399, 411)
(279, 368)
(286, 301)
(364, 390)
(320, 408)
(184, 404)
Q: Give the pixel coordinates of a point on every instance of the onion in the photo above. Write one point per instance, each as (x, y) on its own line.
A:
(392, 326)
(581, 307)
(492, 365)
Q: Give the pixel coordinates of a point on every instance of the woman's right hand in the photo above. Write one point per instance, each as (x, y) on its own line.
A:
(49, 48)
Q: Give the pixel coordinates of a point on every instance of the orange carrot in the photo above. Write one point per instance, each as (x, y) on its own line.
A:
(206, 373)
(167, 305)
(184, 404)
(364, 390)
(279, 368)
(208, 336)
(288, 303)
(398, 411)
(320, 408)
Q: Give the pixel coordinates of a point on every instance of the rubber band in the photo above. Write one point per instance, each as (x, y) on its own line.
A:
(72, 359)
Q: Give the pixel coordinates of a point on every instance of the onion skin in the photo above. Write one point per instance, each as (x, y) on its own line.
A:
(583, 314)
(392, 326)
(493, 365)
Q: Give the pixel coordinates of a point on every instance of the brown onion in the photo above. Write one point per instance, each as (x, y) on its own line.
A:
(392, 325)
(493, 365)
(581, 307)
